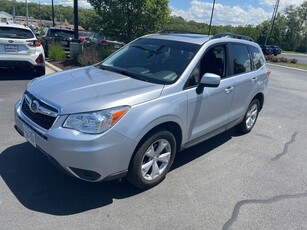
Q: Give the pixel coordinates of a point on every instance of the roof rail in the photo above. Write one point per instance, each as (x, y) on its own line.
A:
(231, 35)
(176, 32)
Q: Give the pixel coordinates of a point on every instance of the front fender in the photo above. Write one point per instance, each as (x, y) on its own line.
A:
(144, 117)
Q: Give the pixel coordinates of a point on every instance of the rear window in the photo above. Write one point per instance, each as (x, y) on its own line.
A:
(241, 61)
(258, 60)
(16, 33)
(61, 33)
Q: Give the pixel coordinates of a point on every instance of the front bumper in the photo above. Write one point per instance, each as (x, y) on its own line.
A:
(87, 157)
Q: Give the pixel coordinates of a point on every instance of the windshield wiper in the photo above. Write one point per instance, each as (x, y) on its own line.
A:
(143, 48)
(157, 52)
(100, 66)
(122, 71)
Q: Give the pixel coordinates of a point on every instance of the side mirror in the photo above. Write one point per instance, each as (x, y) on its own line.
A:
(210, 80)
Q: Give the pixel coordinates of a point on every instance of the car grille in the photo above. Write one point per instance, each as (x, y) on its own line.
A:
(40, 119)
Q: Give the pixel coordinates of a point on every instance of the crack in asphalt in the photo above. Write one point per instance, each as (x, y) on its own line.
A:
(286, 147)
(236, 210)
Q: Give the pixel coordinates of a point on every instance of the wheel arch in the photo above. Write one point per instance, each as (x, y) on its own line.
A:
(170, 126)
(260, 98)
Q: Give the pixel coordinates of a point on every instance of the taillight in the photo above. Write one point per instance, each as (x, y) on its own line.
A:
(268, 72)
(34, 43)
(103, 41)
(40, 60)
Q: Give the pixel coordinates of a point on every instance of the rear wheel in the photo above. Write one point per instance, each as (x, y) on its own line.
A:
(153, 160)
(250, 117)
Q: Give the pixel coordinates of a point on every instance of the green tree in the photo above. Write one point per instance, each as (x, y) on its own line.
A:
(292, 33)
(44, 12)
(302, 11)
(129, 19)
(179, 23)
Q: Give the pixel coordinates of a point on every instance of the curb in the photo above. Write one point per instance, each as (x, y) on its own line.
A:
(54, 68)
(287, 67)
(299, 54)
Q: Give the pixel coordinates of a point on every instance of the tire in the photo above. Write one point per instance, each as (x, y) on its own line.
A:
(250, 117)
(40, 70)
(148, 168)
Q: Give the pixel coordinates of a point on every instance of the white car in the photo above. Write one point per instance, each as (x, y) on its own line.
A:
(19, 47)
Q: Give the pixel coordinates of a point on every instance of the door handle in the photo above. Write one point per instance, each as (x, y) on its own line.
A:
(254, 79)
(228, 89)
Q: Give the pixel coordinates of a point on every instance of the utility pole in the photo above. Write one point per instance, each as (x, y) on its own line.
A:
(53, 24)
(14, 11)
(40, 14)
(271, 25)
(76, 33)
(211, 17)
(14, 14)
(27, 13)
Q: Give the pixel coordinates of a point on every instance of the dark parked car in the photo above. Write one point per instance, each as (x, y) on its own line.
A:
(60, 35)
(275, 49)
(83, 35)
(97, 38)
(266, 49)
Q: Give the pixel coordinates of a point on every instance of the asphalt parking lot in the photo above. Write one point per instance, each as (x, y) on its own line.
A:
(254, 181)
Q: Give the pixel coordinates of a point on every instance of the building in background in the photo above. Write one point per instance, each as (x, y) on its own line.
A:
(6, 17)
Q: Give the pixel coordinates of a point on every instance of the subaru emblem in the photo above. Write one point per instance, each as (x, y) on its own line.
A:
(34, 106)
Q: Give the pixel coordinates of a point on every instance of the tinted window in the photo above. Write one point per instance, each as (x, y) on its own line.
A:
(16, 33)
(240, 59)
(61, 33)
(212, 62)
(257, 57)
(81, 33)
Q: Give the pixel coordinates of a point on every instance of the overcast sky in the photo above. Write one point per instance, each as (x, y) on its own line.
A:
(227, 12)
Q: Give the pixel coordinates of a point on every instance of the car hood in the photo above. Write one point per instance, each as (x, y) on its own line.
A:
(90, 89)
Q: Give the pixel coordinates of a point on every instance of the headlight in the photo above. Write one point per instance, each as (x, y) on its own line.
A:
(95, 122)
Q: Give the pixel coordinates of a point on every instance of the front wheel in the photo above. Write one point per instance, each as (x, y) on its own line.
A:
(250, 117)
(153, 160)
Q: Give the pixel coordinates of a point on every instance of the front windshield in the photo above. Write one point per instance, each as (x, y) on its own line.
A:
(153, 60)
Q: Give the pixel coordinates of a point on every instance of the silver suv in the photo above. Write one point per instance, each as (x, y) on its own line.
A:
(131, 113)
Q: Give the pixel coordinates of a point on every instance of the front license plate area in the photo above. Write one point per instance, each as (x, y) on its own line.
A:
(29, 135)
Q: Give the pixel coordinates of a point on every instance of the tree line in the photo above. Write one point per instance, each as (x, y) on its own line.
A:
(126, 20)
(41, 11)
(289, 31)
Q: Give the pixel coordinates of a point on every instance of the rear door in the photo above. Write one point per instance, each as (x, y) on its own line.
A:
(245, 79)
